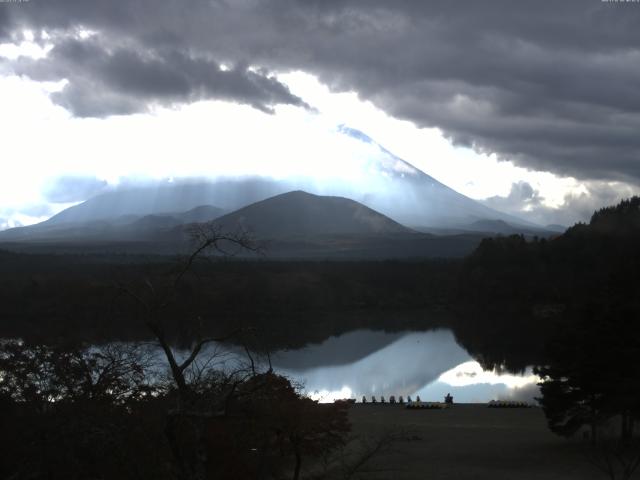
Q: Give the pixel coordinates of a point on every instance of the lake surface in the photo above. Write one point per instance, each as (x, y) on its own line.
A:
(366, 363)
(429, 364)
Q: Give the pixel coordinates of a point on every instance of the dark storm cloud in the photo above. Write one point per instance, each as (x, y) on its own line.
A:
(73, 189)
(549, 85)
(106, 80)
(4, 34)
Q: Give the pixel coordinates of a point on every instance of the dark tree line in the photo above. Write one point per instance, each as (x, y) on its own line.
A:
(576, 301)
(45, 297)
(521, 292)
(592, 374)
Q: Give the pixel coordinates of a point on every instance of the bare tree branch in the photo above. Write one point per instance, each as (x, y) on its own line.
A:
(209, 235)
(198, 347)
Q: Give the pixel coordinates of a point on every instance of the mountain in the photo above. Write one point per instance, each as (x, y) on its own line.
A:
(554, 227)
(128, 227)
(500, 227)
(165, 221)
(382, 182)
(293, 225)
(185, 198)
(299, 225)
(203, 213)
(416, 199)
(150, 222)
(493, 226)
(301, 214)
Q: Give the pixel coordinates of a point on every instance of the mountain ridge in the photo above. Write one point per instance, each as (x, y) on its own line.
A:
(390, 186)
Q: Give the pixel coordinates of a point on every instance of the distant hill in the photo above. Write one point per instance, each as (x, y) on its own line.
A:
(165, 221)
(490, 228)
(294, 225)
(493, 226)
(149, 222)
(503, 228)
(193, 198)
(556, 228)
(301, 214)
(203, 213)
(129, 227)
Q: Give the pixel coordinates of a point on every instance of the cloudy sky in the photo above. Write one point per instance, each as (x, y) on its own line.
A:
(531, 107)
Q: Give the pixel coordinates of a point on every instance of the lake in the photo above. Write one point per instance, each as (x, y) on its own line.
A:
(428, 363)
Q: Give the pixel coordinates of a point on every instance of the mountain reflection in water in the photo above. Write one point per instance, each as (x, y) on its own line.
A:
(430, 364)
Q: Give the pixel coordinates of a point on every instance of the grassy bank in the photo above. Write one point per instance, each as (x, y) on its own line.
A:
(469, 441)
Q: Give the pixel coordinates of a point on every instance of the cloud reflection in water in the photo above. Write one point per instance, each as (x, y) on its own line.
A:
(430, 364)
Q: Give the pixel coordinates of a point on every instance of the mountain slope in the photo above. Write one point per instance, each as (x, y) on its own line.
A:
(300, 213)
(414, 198)
(128, 227)
(202, 213)
(163, 197)
(165, 221)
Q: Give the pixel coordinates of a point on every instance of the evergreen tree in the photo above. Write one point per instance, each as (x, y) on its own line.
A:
(592, 374)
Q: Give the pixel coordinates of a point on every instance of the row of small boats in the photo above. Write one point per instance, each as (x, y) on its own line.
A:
(392, 399)
(420, 405)
(508, 404)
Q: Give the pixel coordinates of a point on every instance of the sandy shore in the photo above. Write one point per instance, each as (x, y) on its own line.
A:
(470, 441)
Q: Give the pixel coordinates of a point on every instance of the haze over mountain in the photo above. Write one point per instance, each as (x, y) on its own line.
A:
(162, 197)
(128, 227)
(384, 182)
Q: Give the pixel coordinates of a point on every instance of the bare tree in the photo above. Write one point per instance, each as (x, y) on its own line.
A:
(76, 411)
(206, 237)
(261, 413)
(191, 407)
